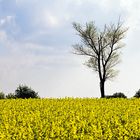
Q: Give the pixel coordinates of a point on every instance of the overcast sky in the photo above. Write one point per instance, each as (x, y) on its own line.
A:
(36, 38)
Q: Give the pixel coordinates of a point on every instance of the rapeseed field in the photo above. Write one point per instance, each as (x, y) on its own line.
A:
(70, 119)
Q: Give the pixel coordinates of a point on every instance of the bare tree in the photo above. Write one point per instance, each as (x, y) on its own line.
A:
(102, 48)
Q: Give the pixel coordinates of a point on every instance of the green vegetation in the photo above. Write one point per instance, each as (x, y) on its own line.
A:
(24, 91)
(11, 96)
(137, 95)
(2, 95)
(117, 95)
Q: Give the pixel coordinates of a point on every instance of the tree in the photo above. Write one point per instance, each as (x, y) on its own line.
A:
(10, 96)
(102, 48)
(2, 95)
(137, 95)
(24, 91)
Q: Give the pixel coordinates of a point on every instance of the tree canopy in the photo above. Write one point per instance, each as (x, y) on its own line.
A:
(24, 91)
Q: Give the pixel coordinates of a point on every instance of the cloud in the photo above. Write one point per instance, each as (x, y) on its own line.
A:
(49, 19)
(6, 20)
(3, 36)
(53, 20)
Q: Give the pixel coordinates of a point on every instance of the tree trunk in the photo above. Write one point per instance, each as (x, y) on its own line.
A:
(102, 89)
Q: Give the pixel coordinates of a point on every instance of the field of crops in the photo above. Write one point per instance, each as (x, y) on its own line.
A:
(70, 119)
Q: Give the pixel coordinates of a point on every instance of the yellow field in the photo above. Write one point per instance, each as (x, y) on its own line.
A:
(70, 119)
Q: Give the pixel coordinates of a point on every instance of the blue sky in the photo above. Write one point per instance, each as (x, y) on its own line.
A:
(36, 38)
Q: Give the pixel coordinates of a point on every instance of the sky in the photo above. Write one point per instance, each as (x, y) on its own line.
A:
(36, 38)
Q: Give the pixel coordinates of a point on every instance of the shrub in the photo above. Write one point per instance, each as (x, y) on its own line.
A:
(137, 95)
(108, 96)
(24, 91)
(119, 95)
(11, 96)
(2, 95)
(116, 95)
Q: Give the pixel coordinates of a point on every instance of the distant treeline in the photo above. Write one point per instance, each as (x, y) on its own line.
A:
(22, 91)
(122, 95)
(26, 92)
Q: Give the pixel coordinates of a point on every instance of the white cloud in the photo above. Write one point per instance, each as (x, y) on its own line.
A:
(3, 36)
(49, 20)
(52, 20)
(133, 11)
(6, 20)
